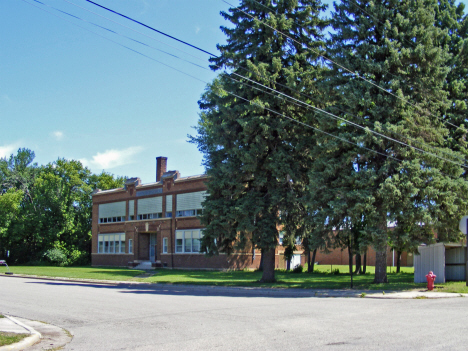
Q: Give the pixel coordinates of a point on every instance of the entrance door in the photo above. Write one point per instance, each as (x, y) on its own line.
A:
(152, 248)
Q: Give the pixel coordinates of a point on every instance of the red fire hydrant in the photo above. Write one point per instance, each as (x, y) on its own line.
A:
(430, 277)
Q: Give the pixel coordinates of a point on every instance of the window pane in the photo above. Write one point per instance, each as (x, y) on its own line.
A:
(130, 246)
(188, 241)
(196, 245)
(111, 244)
(179, 245)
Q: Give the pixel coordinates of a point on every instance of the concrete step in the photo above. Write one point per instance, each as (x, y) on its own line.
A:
(145, 265)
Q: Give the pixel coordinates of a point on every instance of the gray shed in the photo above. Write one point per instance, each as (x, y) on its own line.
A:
(446, 260)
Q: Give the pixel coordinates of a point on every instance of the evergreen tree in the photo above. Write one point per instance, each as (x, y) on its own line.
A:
(257, 160)
(396, 46)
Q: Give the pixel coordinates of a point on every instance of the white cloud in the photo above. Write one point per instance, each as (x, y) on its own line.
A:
(57, 135)
(112, 158)
(7, 150)
(197, 29)
(6, 98)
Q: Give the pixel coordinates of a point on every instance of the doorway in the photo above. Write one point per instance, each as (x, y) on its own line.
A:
(153, 248)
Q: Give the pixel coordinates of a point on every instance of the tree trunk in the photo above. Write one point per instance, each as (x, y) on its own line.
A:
(308, 260)
(364, 264)
(398, 261)
(350, 260)
(312, 265)
(262, 255)
(358, 264)
(288, 264)
(268, 266)
(381, 266)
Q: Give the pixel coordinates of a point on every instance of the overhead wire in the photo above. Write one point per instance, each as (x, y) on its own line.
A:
(296, 101)
(134, 30)
(158, 31)
(119, 34)
(245, 69)
(233, 94)
(343, 67)
(149, 27)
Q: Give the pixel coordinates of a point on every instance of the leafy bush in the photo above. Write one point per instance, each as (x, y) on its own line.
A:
(56, 257)
(336, 271)
(298, 269)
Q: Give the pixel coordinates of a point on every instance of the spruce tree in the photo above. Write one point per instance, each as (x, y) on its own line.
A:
(257, 160)
(396, 46)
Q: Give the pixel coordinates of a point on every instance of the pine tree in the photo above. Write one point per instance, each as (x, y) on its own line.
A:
(396, 46)
(257, 160)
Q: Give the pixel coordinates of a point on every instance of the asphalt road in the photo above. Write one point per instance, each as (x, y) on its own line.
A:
(124, 318)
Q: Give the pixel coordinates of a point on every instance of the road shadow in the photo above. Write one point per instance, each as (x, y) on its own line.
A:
(189, 290)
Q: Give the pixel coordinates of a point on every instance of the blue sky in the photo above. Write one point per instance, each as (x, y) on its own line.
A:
(67, 92)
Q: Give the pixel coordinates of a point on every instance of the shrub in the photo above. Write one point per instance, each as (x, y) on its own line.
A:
(56, 257)
(298, 269)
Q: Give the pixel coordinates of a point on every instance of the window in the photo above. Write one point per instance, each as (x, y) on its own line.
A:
(169, 206)
(149, 216)
(281, 236)
(130, 246)
(188, 241)
(190, 204)
(149, 208)
(111, 243)
(188, 213)
(131, 210)
(112, 212)
(164, 245)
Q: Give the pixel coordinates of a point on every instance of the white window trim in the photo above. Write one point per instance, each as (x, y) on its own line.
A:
(165, 248)
(111, 238)
(182, 233)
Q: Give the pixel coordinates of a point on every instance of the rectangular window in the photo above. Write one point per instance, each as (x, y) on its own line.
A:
(168, 206)
(111, 243)
(130, 246)
(131, 210)
(188, 241)
(100, 244)
(149, 208)
(190, 204)
(179, 241)
(112, 212)
(164, 245)
(281, 235)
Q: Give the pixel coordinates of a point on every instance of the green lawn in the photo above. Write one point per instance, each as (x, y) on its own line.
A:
(321, 279)
(10, 338)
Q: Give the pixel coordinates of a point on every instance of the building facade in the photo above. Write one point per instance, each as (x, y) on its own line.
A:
(157, 224)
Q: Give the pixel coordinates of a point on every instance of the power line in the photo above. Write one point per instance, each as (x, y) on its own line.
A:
(341, 66)
(122, 25)
(296, 101)
(149, 27)
(308, 106)
(214, 55)
(119, 34)
(235, 95)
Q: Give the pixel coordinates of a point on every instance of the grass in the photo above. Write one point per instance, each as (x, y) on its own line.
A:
(87, 272)
(10, 338)
(452, 287)
(320, 279)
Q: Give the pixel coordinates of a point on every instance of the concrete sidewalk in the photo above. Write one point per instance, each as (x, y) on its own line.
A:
(13, 325)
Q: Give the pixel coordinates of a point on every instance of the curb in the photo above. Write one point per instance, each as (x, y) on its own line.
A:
(291, 292)
(26, 342)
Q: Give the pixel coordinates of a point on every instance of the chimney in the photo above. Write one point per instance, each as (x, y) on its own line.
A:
(161, 165)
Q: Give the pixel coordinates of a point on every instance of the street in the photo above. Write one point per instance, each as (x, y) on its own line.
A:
(103, 317)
